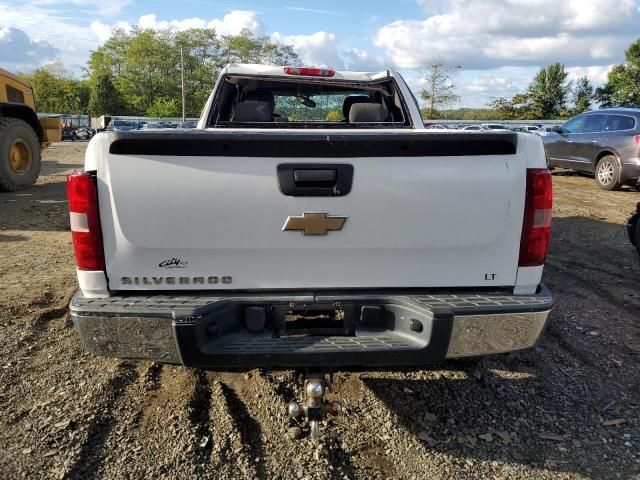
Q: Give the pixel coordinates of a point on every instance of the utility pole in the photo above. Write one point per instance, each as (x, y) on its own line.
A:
(182, 71)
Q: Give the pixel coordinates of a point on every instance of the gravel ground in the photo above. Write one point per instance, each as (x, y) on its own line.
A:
(567, 409)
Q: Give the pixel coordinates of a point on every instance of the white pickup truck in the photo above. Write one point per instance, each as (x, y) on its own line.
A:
(310, 221)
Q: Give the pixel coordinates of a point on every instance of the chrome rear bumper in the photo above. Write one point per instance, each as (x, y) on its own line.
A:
(379, 329)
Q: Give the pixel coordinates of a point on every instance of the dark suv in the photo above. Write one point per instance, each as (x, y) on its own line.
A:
(604, 142)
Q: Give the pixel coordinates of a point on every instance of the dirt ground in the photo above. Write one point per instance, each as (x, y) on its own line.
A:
(567, 409)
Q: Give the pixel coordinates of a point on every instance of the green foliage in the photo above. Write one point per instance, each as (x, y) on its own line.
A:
(582, 95)
(164, 107)
(622, 88)
(334, 115)
(466, 114)
(545, 97)
(519, 107)
(604, 96)
(249, 48)
(145, 64)
(104, 98)
(623, 81)
(55, 91)
(439, 90)
(548, 92)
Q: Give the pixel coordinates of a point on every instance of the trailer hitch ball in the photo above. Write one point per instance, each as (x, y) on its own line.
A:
(315, 389)
(295, 409)
(314, 408)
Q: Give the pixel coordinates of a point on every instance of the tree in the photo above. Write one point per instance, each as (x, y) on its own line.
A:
(250, 48)
(439, 90)
(164, 107)
(623, 81)
(549, 91)
(604, 96)
(56, 91)
(519, 107)
(334, 115)
(582, 95)
(469, 114)
(104, 98)
(546, 97)
(144, 64)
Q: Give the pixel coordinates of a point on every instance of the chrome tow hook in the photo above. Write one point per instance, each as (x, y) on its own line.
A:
(315, 407)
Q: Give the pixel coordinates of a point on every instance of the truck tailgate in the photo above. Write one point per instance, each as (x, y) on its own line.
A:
(206, 210)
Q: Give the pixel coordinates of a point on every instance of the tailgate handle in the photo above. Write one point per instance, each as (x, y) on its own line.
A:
(315, 179)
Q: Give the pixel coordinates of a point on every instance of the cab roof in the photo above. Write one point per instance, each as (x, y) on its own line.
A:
(271, 71)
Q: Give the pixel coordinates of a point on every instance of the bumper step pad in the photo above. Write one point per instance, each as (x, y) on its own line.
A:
(210, 331)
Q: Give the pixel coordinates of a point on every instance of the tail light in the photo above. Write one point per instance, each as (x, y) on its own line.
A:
(85, 221)
(636, 139)
(309, 72)
(536, 227)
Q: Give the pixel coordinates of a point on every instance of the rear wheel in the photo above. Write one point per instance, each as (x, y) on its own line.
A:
(608, 173)
(19, 155)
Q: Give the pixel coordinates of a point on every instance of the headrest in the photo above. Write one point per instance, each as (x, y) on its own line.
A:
(367, 112)
(262, 96)
(252, 111)
(349, 101)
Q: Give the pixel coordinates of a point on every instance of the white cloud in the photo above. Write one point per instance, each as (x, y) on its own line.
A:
(362, 61)
(318, 49)
(18, 51)
(597, 74)
(317, 10)
(101, 30)
(492, 33)
(41, 23)
(236, 21)
(232, 23)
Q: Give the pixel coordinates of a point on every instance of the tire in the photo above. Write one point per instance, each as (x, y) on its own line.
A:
(636, 235)
(19, 155)
(608, 173)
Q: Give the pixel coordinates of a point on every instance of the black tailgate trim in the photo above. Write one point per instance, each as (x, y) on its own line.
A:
(313, 145)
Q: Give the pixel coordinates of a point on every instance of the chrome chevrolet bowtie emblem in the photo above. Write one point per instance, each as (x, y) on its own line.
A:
(314, 223)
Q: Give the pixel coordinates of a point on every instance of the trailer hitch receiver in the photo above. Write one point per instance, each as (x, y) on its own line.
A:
(315, 407)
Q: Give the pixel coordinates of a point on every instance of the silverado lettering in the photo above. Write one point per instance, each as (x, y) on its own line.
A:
(211, 280)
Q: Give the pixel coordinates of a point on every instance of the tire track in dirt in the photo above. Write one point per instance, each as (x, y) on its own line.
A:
(33, 340)
(227, 445)
(41, 334)
(198, 411)
(90, 458)
(249, 429)
(614, 271)
(161, 428)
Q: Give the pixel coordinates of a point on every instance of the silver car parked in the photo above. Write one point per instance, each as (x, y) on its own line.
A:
(603, 142)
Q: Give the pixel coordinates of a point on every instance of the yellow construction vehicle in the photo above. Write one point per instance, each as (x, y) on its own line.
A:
(22, 135)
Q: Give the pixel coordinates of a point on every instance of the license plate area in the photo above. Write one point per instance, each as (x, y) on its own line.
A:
(313, 319)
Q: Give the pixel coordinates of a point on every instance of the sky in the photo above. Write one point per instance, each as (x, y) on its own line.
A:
(499, 44)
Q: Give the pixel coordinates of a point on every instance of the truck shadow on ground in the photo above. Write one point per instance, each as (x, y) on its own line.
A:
(489, 418)
(42, 208)
(547, 407)
(58, 168)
